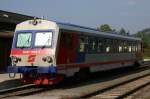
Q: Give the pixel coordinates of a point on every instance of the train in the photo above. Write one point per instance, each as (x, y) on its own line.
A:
(46, 52)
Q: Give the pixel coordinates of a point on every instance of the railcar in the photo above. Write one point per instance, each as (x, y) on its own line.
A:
(45, 52)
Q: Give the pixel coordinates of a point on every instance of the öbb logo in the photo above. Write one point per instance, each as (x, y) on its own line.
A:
(31, 58)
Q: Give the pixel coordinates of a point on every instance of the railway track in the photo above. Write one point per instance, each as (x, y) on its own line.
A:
(89, 90)
(124, 89)
(24, 90)
(97, 90)
(130, 89)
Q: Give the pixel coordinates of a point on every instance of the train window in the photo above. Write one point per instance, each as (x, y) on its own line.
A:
(136, 47)
(139, 47)
(133, 47)
(129, 47)
(125, 46)
(115, 46)
(120, 47)
(112, 46)
(81, 44)
(86, 44)
(43, 39)
(91, 45)
(100, 46)
(24, 40)
(107, 48)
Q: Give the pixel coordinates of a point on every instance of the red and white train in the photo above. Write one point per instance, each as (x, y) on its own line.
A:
(45, 52)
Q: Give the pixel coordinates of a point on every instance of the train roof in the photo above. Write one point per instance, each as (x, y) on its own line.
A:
(92, 31)
(72, 27)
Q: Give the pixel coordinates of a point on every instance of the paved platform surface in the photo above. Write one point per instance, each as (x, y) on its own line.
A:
(6, 82)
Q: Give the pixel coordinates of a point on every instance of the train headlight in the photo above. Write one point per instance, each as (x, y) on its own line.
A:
(48, 59)
(44, 59)
(15, 59)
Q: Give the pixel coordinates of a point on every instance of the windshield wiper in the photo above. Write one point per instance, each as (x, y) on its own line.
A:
(26, 42)
(46, 43)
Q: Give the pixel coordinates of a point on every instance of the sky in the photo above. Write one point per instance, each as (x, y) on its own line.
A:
(133, 15)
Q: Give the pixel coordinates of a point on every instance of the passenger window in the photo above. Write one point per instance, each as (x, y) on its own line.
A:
(120, 47)
(129, 47)
(139, 47)
(92, 44)
(81, 45)
(99, 46)
(133, 47)
(107, 48)
(115, 46)
(125, 45)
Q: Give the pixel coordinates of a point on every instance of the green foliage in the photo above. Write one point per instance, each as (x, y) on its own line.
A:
(105, 28)
(123, 32)
(145, 35)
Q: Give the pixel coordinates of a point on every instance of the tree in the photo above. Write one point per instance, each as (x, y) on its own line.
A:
(128, 33)
(122, 31)
(104, 28)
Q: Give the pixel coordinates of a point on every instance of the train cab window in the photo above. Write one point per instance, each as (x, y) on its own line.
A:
(24, 40)
(43, 39)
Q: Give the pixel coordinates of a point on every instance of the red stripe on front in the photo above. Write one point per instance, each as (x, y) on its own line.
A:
(82, 65)
(30, 51)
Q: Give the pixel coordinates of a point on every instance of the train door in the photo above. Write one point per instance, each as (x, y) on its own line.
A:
(67, 48)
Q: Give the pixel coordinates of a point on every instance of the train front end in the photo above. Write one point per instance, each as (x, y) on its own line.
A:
(33, 52)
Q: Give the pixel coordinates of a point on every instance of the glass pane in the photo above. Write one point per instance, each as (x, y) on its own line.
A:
(43, 39)
(24, 40)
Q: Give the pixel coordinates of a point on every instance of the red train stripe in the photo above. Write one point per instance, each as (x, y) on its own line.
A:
(82, 65)
(30, 52)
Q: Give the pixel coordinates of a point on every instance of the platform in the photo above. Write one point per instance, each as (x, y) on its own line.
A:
(6, 82)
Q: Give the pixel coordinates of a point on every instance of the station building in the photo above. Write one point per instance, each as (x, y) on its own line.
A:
(8, 21)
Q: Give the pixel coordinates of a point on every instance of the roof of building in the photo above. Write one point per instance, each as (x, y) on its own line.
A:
(15, 18)
(8, 22)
